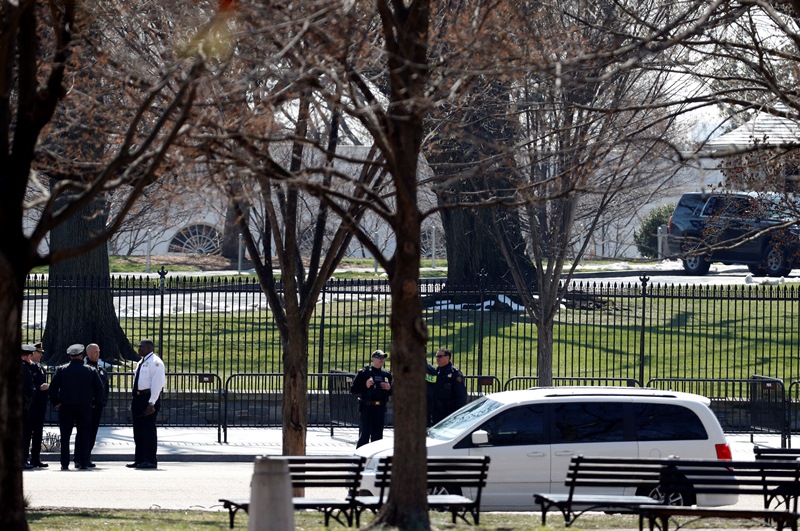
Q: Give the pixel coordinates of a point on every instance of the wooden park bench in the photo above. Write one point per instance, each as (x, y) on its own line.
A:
(322, 472)
(692, 477)
(626, 476)
(447, 477)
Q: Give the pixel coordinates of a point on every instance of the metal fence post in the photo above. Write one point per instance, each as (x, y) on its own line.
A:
(162, 288)
(644, 281)
(482, 281)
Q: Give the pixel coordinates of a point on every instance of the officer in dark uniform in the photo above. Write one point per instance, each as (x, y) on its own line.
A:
(93, 360)
(28, 392)
(38, 408)
(447, 391)
(373, 384)
(76, 388)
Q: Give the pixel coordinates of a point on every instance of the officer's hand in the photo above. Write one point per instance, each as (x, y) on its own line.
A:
(44, 387)
(370, 382)
(150, 409)
(385, 386)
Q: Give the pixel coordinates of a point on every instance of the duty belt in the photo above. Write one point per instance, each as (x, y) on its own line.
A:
(142, 392)
(376, 403)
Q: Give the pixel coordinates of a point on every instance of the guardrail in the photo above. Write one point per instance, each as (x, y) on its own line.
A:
(759, 404)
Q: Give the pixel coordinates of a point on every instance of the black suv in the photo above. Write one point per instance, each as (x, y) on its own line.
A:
(733, 228)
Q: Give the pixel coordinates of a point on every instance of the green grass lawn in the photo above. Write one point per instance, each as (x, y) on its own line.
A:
(118, 520)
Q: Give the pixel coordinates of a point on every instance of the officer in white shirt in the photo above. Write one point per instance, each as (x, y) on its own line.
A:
(148, 382)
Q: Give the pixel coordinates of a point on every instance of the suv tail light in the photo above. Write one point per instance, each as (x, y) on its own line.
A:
(669, 226)
(723, 452)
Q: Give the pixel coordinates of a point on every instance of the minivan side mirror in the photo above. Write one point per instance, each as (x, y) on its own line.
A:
(480, 437)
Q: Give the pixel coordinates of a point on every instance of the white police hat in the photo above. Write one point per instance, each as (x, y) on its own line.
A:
(75, 350)
(28, 349)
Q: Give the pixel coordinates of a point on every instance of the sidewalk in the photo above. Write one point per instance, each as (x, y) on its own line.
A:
(200, 444)
(245, 444)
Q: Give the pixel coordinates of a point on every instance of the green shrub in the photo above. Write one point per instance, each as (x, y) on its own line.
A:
(646, 237)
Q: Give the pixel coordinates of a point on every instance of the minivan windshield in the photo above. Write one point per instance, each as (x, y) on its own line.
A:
(454, 425)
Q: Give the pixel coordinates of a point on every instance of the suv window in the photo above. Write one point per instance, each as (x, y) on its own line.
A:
(733, 206)
(667, 422)
(689, 205)
(588, 422)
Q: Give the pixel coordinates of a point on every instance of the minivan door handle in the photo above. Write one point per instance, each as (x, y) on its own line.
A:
(536, 454)
(564, 452)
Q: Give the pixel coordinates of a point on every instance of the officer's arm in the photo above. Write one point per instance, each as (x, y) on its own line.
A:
(358, 383)
(55, 383)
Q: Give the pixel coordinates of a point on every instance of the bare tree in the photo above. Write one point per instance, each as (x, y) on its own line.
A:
(38, 53)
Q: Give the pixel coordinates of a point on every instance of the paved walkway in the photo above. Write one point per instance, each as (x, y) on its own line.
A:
(194, 469)
(201, 444)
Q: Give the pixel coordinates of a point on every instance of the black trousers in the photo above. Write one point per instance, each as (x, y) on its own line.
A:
(372, 420)
(97, 414)
(80, 418)
(26, 432)
(145, 436)
(35, 430)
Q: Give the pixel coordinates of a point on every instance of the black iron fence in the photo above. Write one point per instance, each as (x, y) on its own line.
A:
(218, 340)
(252, 400)
(623, 331)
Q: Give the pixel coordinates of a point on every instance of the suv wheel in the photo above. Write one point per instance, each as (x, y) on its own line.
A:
(775, 262)
(696, 265)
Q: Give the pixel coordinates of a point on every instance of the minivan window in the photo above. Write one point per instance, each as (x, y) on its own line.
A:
(522, 425)
(588, 422)
(667, 422)
(454, 425)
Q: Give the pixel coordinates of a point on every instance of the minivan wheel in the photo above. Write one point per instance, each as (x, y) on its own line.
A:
(696, 265)
(658, 494)
(775, 262)
(442, 489)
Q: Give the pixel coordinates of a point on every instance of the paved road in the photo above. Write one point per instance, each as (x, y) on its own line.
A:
(195, 471)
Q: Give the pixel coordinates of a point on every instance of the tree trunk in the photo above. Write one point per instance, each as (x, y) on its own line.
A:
(295, 388)
(544, 352)
(229, 246)
(483, 134)
(407, 508)
(80, 306)
(12, 514)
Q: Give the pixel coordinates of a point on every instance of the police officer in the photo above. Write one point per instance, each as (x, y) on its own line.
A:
(28, 392)
(92, 360)
(373, 384)
(148, 382)
(38, 408)
(446, 388)
(75, 389)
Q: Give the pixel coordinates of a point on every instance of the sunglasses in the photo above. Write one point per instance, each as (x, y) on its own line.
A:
(441, 355)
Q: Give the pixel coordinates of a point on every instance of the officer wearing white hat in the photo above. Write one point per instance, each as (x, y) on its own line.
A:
(75, 389)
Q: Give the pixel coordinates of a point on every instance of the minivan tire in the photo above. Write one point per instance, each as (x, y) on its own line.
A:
(657, 494)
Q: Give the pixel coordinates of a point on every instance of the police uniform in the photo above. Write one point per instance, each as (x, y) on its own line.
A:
(447, 391)
(37, 414)
(28, 392)
(75, 389)
(149, 381)
(97, 411)
(372, 400)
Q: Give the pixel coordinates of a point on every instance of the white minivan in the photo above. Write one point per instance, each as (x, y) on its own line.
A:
(531, 436)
